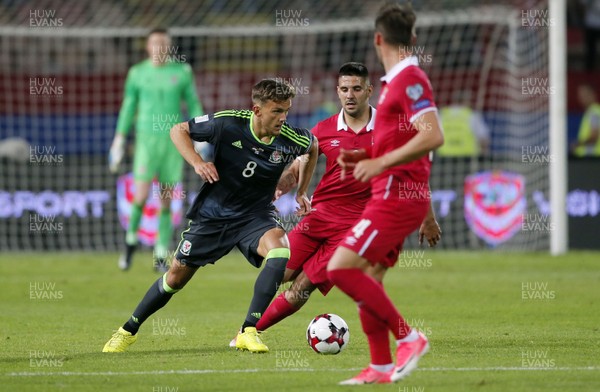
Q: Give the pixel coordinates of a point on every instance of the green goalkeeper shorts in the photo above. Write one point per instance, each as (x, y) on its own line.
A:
(157, 157)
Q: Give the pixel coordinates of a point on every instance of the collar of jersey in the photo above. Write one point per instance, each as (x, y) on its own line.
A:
(254, 135)
(399, 67)
(342, 126)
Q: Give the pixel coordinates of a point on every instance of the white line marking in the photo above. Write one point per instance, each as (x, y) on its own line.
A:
(510, 369)
(277, 370)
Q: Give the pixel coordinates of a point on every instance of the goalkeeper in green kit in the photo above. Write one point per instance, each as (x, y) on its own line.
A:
(154, 90)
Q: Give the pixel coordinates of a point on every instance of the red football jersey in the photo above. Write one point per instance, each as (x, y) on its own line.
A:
(346, 198)
(406, 94)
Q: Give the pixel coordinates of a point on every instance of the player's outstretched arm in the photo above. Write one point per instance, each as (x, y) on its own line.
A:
(180, 135)
(307, 168)
(428, 138)
(430, 229)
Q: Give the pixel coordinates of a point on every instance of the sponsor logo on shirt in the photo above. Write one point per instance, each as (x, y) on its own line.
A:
(415, 91)
(257, 150)
(335, 143)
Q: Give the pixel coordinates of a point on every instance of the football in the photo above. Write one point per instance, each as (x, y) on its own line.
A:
(328, 334)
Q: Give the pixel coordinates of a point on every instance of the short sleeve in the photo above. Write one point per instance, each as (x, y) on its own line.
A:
(305, 133)
(316, 130)
(416, 95)
(300, 138)
(205, 128)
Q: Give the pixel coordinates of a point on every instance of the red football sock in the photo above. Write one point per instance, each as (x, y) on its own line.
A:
(367, 292)
(378, 336)
(279, 309)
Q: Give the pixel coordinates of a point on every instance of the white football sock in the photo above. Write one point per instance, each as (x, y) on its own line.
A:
(382, 368)
(411, 337)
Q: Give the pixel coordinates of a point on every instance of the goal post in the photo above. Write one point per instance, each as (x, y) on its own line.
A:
(558, 126)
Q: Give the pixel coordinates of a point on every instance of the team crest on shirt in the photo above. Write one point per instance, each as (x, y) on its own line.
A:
(415, 91)
(276, 157)
(335, 143)
(185, 248)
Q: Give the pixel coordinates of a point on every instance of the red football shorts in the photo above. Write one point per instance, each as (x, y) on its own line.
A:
(379, 233)
(312, 243)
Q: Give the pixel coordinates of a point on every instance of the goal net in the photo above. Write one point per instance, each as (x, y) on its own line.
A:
(62, 76)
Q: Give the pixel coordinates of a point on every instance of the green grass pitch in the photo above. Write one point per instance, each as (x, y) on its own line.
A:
(496, 322)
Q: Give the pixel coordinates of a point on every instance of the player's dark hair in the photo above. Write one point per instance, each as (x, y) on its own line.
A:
(395, 22)
(158, 30)
(277, 90)
(354, 69)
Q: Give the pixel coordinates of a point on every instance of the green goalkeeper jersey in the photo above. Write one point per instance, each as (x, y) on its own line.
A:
(155, 93)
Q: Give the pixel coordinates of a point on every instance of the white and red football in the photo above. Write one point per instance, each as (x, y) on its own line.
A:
(328, 334)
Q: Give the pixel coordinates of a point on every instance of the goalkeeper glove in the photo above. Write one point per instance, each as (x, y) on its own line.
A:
(116, 153)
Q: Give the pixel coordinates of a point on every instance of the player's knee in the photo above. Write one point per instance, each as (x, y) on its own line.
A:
(171, 283)
(177, 277)
(140, 198)
(277, 258)
(333, 264)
